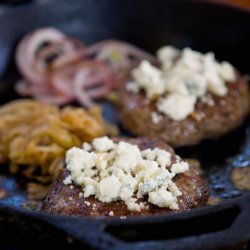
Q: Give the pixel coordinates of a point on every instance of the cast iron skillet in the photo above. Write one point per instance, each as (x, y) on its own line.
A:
(147, 24)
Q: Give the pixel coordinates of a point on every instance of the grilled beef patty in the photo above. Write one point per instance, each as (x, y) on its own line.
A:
(66, 201)
(213, 117)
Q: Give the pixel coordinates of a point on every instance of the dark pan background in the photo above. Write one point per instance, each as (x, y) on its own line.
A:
(147, 24)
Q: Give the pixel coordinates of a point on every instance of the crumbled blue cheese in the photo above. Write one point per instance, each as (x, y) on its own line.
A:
(208, 100)
(121, 171)
(150, 79)
(226, 71)
(163, 198)
(67, 180)
(163, 158)
(156, 117)
(89, 190)
(86, 146)
(111, 213)
(132, 87)
(174, 189)
(133, 205)
(176, 106)
(108, 189)
(167, 55)
(184, 77)
(103, 144)
(179, 167)
(215, 84)
(87, 203)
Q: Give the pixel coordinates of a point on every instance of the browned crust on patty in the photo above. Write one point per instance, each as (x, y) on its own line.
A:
(207, 121)
(65, 201)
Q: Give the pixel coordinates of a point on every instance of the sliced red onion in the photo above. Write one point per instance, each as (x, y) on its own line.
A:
(80, 93)
(93, 80)
(54, 99)
(72, 51)
(22, 88)
(32, 63)
(41, 92)
(119, 55)
(63, 79)
(27, 49)
(63, 70)
(27, 89)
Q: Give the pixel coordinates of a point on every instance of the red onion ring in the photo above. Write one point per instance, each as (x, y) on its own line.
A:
(54, 99)
(93, 80)
(127, 55)
(73, 51)
(42, 93)
(120, 56)
(63, 78)
(25, 55)
(31, 61)
(64, 70)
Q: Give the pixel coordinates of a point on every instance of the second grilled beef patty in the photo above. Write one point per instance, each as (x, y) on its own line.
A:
(207, 121)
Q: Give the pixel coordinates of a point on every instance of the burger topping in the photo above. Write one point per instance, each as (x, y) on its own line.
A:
(121, 171)
(184, 77)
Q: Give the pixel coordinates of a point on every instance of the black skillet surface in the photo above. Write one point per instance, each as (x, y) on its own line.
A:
(147, 24)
